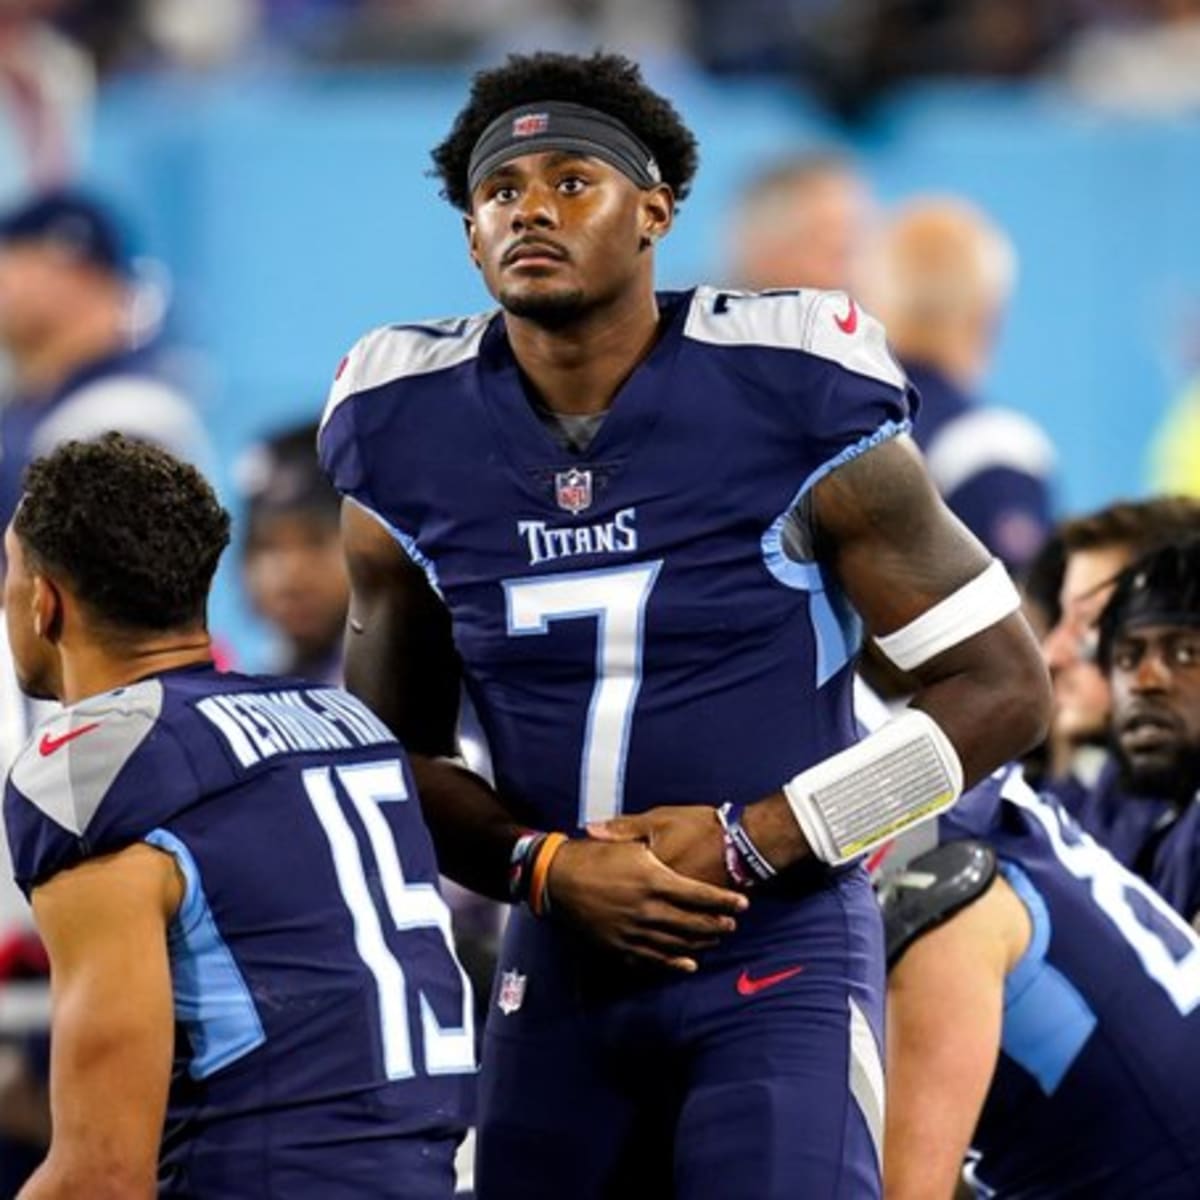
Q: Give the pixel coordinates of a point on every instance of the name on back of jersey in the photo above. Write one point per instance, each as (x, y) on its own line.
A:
(260, 725)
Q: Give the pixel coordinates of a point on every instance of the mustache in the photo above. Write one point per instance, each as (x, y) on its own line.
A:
(1148, 714)
(539, 245)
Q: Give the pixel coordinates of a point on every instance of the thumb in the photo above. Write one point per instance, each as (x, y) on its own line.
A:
(619, 829)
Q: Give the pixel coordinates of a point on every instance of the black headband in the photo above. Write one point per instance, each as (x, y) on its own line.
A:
(559, 125)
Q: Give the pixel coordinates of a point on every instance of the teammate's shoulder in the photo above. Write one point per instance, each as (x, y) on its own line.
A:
(829, 325)
(74, 757)
(978, 812)
(396, 352)
(984, 438)
(933, 888)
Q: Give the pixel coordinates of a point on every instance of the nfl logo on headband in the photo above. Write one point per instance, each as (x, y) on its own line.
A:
(530, 124)
(573, 489)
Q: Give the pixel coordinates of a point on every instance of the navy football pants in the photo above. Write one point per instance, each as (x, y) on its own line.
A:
(759, 1077)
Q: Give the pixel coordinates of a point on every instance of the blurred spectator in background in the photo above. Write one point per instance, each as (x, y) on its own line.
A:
(1081, 772)
(939, 276)
(850, 51)
(46, 89)
(79, 365)
(1138, 56)
(292, 563)
(800, 223)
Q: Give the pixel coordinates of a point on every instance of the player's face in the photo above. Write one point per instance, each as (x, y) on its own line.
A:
(1155, 677)
(296, 576)
(35, 288)
(24, 615)
(557, 235)
(1081, 694)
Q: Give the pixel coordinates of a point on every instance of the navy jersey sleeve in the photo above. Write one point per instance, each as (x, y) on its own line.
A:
(379, 367)
(92, 779)
(821, 360)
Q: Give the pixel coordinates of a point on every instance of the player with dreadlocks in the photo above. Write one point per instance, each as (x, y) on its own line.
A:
(635, 530)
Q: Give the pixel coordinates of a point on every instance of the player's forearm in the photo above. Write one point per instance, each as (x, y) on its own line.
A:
(991, 696)
(68, 1177)
(473, 831)
(978, 706)
(422, 715)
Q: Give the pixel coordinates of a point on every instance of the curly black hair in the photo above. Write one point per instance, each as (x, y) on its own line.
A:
(610, 83)
(136, 532)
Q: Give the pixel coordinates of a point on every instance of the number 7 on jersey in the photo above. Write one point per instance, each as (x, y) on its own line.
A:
(616, 598)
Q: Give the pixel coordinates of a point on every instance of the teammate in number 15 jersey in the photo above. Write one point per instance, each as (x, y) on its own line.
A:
(639, 530)
(250, 959)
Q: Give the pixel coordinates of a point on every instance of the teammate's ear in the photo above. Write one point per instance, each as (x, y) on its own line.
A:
(47, 609)
(472, 241)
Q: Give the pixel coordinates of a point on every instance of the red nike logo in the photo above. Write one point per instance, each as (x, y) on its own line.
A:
(848, 323)
(49, 744)
(751, 987)
(876, 858)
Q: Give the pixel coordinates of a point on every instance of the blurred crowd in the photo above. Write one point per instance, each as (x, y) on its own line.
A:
(84, 346)
(1137, 52)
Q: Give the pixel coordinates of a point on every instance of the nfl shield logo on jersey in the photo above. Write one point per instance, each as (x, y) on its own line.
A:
(512, 992)
(573, 489)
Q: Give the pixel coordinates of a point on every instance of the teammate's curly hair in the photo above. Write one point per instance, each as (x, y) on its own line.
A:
(610, 83)
(135, 531)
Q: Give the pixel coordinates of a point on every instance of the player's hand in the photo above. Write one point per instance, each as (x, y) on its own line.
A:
(629, 901)
(686, 837)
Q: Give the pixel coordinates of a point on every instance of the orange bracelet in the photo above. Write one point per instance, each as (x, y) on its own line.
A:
(541, 871)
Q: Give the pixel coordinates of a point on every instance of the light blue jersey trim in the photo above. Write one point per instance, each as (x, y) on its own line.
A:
(408, 544)
(1047, 1022)
(836, 626)
(212, 1001)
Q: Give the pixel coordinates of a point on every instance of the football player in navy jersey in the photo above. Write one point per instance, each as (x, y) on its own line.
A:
(630, 536)
(1043, 1021)
(1150, 649)
(254, 989)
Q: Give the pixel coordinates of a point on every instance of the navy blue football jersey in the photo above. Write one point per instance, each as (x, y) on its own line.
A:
(324, 1027)
(1097, 1088)
(639, 622)
(1175, 871)
(1129, 826)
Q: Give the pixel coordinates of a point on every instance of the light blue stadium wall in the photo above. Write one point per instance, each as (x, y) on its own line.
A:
(294, 214)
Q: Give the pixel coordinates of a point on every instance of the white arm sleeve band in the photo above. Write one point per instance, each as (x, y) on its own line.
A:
(903, 773)
(986, 599)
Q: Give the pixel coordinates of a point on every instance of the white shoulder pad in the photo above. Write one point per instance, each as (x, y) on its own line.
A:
(74, 756)
(984, 439)
(828, 324)
(398, 351)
